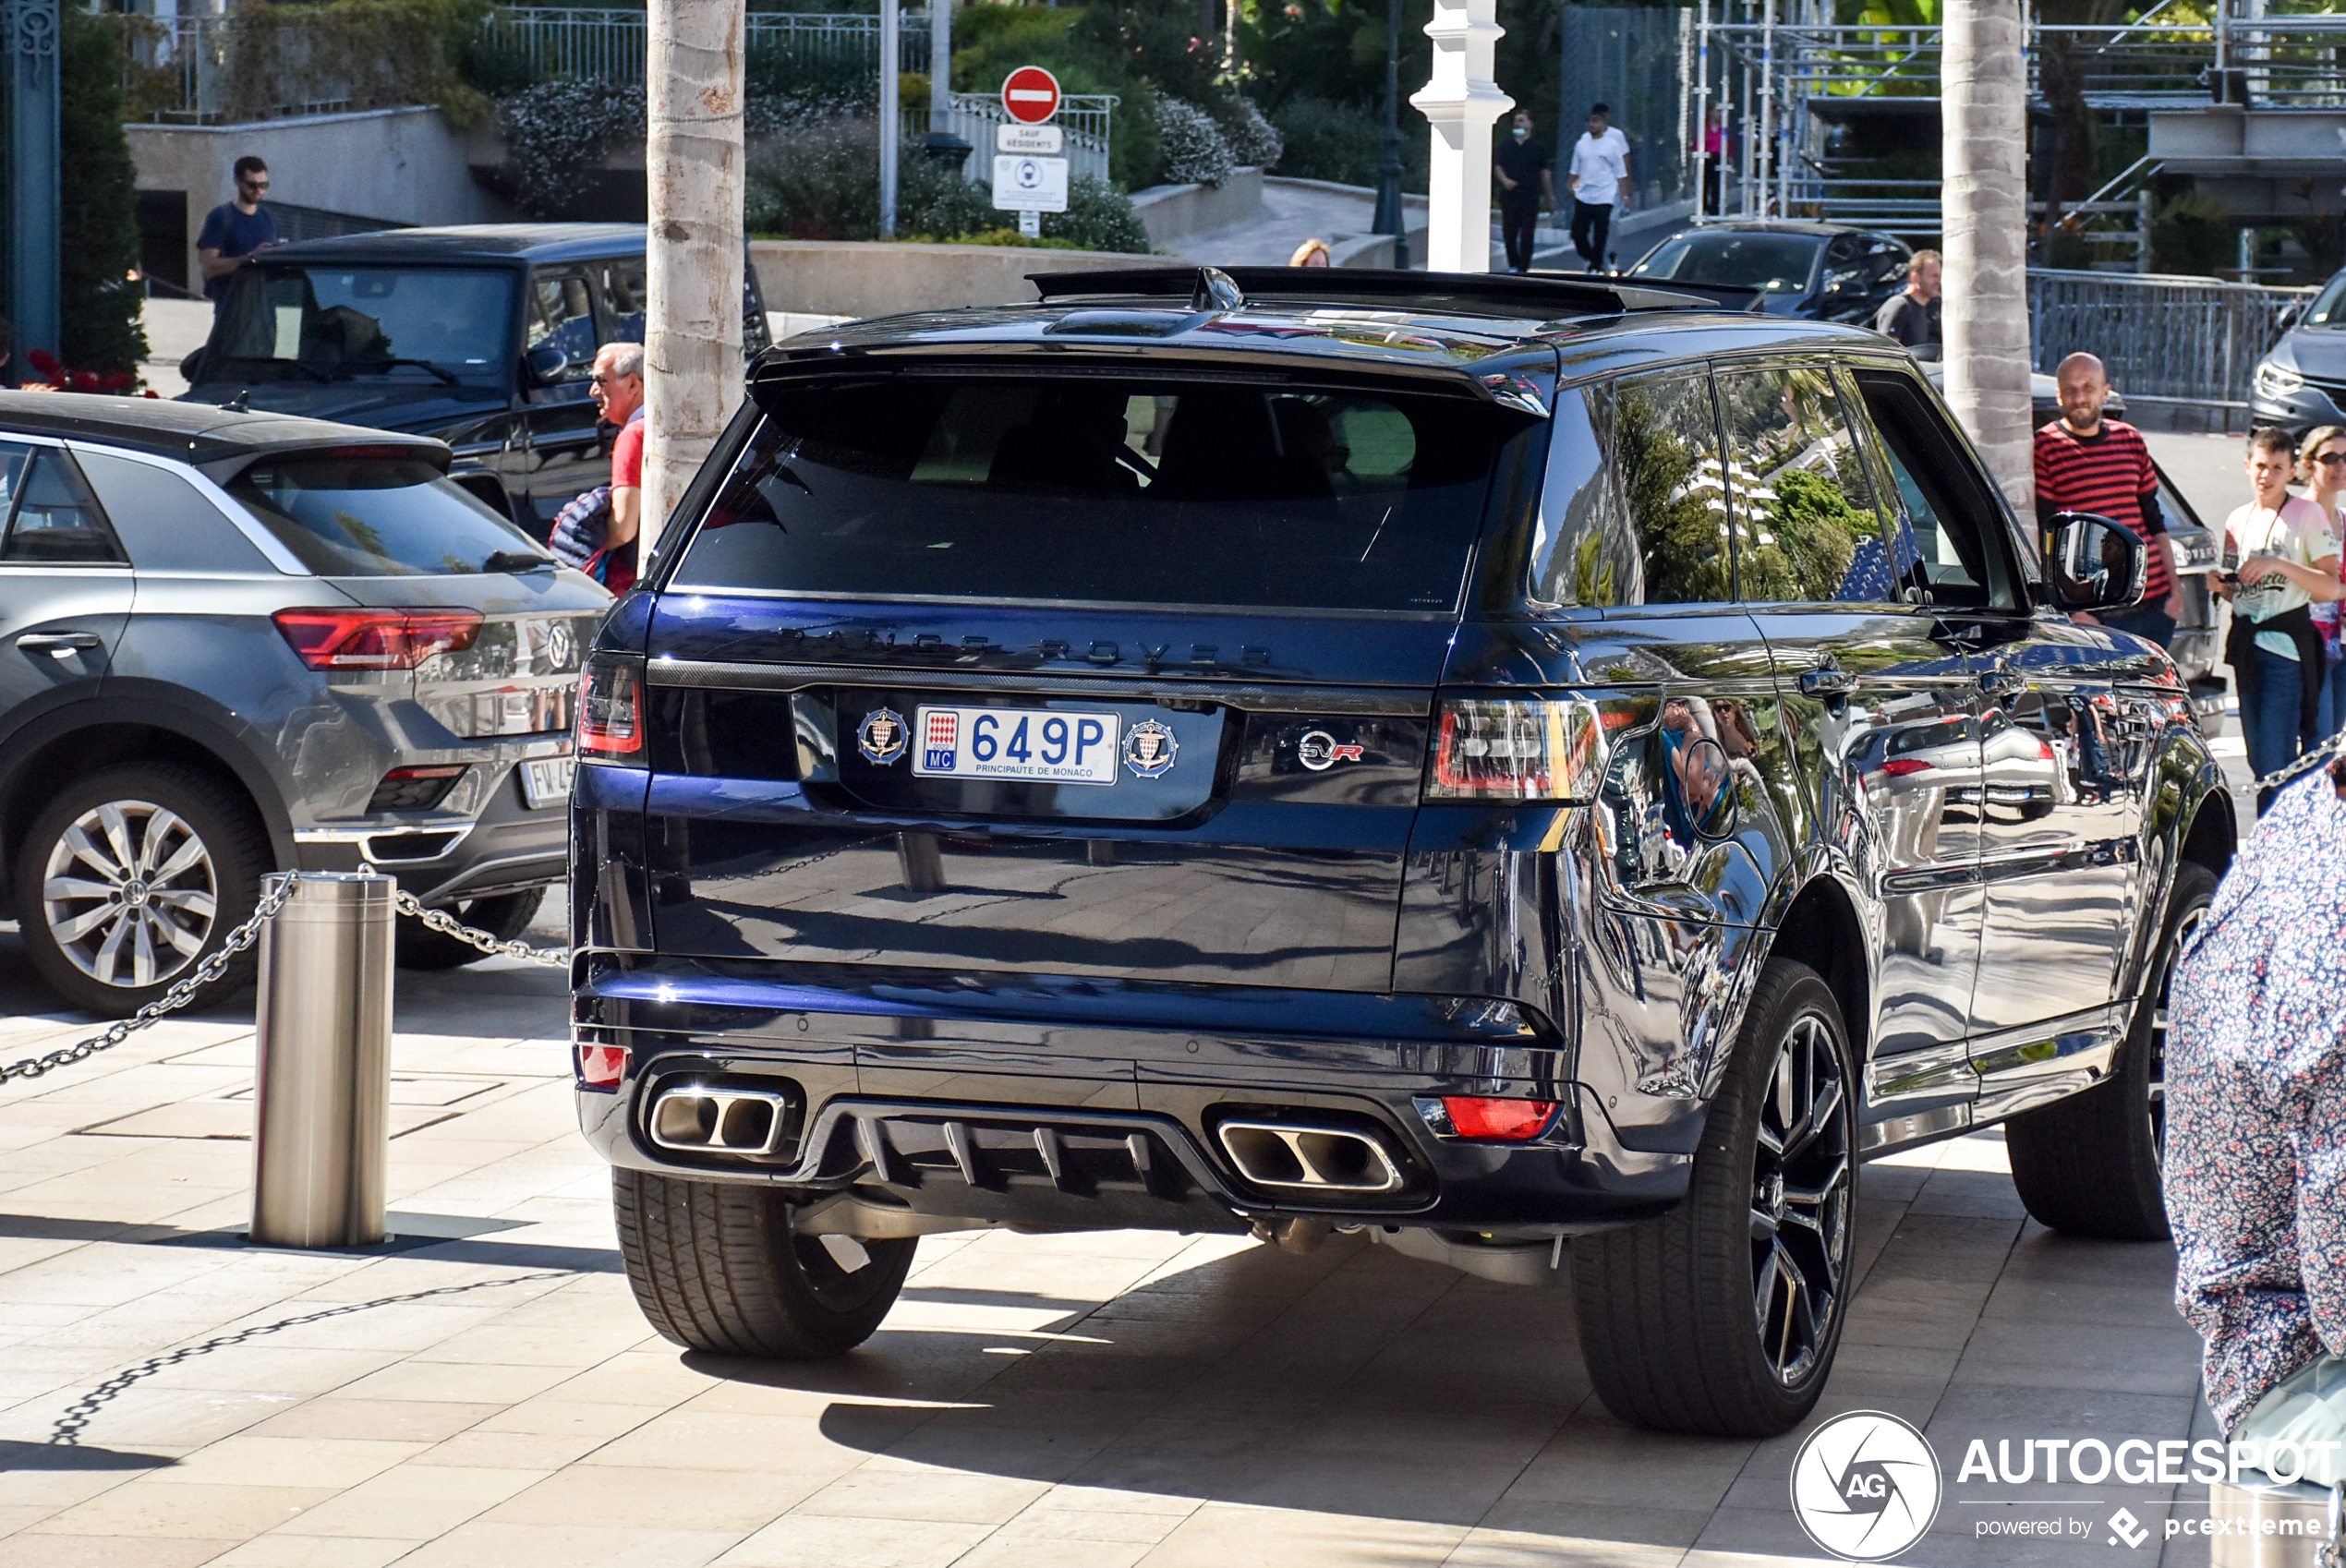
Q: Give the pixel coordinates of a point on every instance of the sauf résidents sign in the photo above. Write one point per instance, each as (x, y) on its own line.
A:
(1030, 176)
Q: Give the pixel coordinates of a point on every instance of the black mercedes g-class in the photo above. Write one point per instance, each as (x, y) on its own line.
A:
(1542, 774)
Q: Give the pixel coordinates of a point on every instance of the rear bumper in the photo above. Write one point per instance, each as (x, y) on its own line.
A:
(509, 847)
(1036, 1126)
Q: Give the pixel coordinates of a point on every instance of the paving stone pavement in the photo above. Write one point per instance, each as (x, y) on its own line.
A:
(170, 1397)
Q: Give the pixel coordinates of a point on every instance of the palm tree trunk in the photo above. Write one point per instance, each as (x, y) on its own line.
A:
(1986, 313)
(694, 257)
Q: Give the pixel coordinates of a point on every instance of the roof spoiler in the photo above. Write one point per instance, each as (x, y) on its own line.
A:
(1477, 294)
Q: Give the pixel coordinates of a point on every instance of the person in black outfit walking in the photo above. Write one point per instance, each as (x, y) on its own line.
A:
(1522, 166)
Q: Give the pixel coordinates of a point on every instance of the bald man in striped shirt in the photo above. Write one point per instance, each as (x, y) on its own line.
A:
(2086, 463)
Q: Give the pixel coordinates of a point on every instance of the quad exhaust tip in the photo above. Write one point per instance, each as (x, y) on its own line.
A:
(724, 1121)
(1291, 1155)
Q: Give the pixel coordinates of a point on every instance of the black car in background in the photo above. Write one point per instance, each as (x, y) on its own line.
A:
(482, 336)
(1505, 767)
(1782, 267)
(2300, 382)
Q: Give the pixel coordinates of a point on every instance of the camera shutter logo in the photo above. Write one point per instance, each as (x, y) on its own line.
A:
(1866, 1486)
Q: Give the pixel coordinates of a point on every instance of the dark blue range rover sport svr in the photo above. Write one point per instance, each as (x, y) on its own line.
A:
(1540, 774)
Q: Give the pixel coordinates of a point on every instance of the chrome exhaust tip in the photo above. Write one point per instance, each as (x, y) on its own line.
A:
(698, 1120)
(1294, 1155)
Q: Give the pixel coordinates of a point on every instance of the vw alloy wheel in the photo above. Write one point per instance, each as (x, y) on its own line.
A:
(1800, 1201)
(129, 893)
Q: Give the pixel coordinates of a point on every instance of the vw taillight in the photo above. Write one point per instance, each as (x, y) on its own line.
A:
(611, 711)
(375, 639)
(1516, 749)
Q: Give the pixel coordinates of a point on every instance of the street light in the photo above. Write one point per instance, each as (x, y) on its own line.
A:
(1388, 181)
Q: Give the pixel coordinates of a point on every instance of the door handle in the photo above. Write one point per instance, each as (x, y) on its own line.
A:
(2000, 681)
(1827, 681)
(57, 645)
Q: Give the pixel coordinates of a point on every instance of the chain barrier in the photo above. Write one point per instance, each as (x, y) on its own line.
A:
(2320, 755)
(242, 937)
(449, 925)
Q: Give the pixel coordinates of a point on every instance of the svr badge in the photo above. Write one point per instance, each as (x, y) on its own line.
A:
(1149, 749)
(881, 735)
(1319, 751)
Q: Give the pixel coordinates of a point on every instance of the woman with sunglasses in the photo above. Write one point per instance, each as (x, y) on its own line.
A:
(2321, 466)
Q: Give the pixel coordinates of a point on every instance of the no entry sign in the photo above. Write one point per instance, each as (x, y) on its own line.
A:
(1031, 95)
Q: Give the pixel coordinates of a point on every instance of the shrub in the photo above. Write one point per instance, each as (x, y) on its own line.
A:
(1098, 217)
(1327, 140)
(1254, 141)
(98, 233)
(556, 134)
(933, 202)
(1192, 145)
(822, 182)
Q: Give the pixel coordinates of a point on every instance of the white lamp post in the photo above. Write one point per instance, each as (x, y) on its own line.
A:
(1460, 100)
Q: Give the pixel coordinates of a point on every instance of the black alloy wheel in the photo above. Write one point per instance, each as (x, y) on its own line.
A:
(1723, 1316)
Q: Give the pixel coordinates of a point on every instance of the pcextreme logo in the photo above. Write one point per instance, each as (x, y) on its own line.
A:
(1865, 1486)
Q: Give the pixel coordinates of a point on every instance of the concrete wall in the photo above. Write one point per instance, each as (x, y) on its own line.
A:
(859, 279)
(1169, 211)
(401, 165)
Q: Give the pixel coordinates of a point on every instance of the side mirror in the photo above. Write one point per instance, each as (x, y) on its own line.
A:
(544, 365)
(2288, 317)
(2093, 563)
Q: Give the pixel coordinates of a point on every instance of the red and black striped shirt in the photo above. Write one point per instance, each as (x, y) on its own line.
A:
(2107, 472)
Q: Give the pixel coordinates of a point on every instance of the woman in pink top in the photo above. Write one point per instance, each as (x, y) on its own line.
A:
(2321, 467)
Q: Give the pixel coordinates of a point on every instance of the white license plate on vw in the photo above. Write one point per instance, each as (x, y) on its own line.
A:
(545, 781)
(1034, 745)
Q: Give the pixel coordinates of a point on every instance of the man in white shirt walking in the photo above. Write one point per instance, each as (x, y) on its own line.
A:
(1600, 181)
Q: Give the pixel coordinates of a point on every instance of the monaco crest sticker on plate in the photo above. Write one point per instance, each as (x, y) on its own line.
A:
(881, 736)
(1149, 749)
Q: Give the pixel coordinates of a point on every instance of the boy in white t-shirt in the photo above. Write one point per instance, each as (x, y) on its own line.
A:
(2287, 547)
(1600, 180)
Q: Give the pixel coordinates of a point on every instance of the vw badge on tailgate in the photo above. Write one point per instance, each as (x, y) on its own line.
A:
(881, 735)
(1149, 749)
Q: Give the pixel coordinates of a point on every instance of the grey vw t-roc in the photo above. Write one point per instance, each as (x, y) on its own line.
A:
(1542, 775)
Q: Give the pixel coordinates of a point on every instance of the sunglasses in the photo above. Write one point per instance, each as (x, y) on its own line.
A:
(2329, 457)
(254, 185)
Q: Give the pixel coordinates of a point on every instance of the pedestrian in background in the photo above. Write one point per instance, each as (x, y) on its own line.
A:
(617, 386)
(1911, 315)
(2321, 466)
(1524, 176)
(2086, 463)
(1311, 253)
(1600, 180)
(2287, 547)
(235, 230)
(1716, 154)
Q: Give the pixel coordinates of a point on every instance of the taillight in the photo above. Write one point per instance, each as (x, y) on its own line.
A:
(601, 1066)
(1487, 1115)
(1516, 749)
(611, 711)
(1898, 768)
(375, 639)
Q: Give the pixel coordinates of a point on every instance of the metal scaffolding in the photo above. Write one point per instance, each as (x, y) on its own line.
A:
(1784, 73)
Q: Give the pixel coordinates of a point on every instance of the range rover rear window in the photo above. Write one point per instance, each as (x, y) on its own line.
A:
(1100, 489)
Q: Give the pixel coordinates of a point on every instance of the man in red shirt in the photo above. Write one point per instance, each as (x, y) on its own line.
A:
(2086, 463)
(618, 387)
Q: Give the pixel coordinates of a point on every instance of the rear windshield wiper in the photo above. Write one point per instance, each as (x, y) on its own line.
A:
(518, 560)
(422, 364)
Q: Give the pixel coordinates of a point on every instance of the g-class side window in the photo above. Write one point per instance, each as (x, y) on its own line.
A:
(1807, 527)
(1634, 511)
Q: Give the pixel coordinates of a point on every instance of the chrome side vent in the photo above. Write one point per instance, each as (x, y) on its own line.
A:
(1293, 1155)
(724, 1121)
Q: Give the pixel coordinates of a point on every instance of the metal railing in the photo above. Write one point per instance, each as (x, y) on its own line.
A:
(1083, 117)
(608, 45)
(2192, 340)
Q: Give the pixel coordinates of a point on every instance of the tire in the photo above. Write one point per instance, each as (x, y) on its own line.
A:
(2088, 1166)
(99, 845)
(505, 917)
(1722, 1316)
(717, 1268)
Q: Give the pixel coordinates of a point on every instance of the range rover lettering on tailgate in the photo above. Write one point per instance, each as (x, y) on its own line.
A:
(1540, 775)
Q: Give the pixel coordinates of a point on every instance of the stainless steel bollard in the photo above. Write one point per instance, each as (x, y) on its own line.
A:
(321, 1133)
